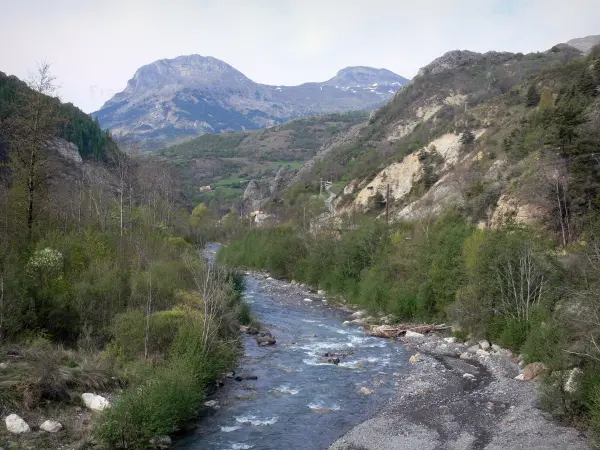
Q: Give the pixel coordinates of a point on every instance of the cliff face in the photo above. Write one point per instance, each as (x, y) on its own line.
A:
(477, 132)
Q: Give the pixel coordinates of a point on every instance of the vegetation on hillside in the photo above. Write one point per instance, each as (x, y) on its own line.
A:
(71, 123)
(532, 289)
(212, 159)
(102, 286)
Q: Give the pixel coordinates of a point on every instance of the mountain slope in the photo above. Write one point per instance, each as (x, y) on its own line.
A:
(493, 134)
(74, 125)
(191, 95)
(585, 44)
(227, 161)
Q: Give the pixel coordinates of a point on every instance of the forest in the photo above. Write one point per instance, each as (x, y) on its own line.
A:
(102, 285)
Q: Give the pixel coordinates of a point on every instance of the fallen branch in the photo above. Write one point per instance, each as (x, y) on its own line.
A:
(394, 331)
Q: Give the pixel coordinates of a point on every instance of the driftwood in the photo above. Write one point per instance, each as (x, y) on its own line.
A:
(394, 331)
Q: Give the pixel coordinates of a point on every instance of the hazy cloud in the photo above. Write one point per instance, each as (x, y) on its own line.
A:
(96, 46)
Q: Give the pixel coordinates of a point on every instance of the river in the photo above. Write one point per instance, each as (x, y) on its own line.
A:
(298, 401)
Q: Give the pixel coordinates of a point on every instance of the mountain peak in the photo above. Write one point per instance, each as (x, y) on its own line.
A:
(585, 44)
(354, 76)
(183, 71)
(194, 94)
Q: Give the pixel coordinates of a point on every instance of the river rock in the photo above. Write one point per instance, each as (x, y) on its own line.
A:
(450, 340)
(359, 314)
(465, 355)
(3, 365)
(308, 300)
(468, 376)
(51, 426)
(16, 424)
(496, 348)
(263, 341)
(382, 331)
(414, 358)
(482, 352)
(473, 349)
(484, 345)
(366, 391)
(160, 442)
(534, 370)
(413, 334)
(321, 292)
(95, 402)
(212, 404)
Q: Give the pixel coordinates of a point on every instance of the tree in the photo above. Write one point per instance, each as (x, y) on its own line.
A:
(30, 134)
(586, 84)
(546, 100)
(467, 138)
(532, 97)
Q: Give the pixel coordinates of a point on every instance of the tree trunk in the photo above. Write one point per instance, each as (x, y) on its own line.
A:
(148, 312)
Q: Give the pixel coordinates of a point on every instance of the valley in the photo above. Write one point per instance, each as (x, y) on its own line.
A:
(367, 262)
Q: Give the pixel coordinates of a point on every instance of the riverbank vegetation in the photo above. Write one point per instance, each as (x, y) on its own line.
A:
(511, 285)
(102, 285)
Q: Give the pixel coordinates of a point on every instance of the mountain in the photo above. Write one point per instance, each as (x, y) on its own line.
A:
(585, 44)
(495, 135)
(227, 161)
(190, 95)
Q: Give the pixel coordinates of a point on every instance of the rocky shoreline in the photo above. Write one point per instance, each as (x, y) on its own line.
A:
(454, 395)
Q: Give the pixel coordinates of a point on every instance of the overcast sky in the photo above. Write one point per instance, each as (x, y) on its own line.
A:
(95, 46)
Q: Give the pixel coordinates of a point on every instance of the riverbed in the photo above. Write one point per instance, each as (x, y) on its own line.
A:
(299, 400)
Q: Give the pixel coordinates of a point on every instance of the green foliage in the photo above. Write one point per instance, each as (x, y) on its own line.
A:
(532, 98)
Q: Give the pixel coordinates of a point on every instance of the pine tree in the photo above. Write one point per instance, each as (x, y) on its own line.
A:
(467, 138)
(597, 71)
(533, 97)
(586, 84)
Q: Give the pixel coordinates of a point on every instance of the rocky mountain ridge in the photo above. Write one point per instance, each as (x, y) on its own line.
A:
(176, 98)
(511, 105)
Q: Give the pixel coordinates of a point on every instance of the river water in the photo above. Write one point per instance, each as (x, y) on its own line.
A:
(298, 401)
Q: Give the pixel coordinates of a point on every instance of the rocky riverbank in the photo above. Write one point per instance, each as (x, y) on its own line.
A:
(454, 395)
(457, 396)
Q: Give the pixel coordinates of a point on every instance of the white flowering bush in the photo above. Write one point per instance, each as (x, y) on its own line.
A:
(46, 262)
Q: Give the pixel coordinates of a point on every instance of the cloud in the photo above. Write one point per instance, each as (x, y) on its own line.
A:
(100, 44)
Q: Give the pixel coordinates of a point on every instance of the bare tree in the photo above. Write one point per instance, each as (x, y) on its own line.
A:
(30, 134)
(522, 285)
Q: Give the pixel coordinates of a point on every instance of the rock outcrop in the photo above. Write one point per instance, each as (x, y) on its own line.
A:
(95, 402)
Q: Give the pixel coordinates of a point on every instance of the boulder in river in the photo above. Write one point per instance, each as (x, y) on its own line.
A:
(484, 345)
(366, 391)
(263, 341)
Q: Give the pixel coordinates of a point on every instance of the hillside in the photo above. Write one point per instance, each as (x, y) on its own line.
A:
(416, 143)
(172, 99)
(227, 161)
(74, 125)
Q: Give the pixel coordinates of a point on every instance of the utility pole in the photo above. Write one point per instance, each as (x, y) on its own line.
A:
(387, 205)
